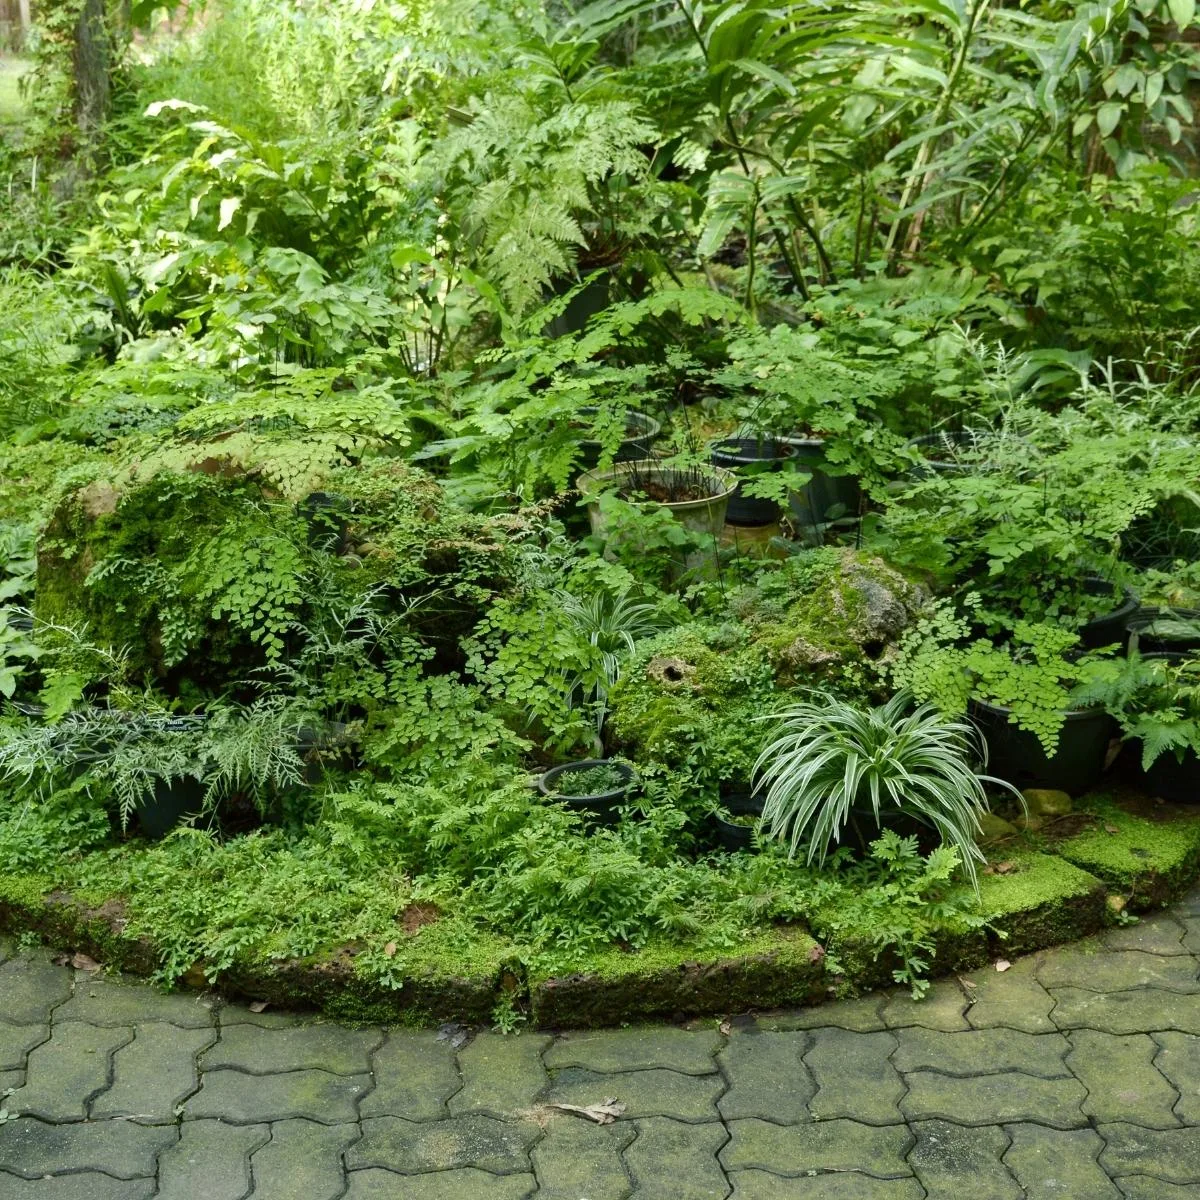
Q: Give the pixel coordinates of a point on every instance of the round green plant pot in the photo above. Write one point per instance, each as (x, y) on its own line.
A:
(600, 806)
(703, 515)
(825, 498)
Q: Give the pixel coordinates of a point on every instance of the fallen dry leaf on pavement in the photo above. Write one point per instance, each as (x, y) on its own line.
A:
(1002, 964)
(604, 1113)
(258, 1006)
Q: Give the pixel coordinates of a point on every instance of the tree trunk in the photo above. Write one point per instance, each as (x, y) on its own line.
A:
(92, 91)
(26, 19)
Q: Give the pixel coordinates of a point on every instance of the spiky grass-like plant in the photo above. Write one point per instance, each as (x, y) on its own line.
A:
(828, 757)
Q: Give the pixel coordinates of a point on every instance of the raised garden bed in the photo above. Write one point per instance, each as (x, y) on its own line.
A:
(1035, 898)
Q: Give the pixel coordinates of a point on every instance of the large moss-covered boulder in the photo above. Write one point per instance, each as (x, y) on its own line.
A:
(821, 614)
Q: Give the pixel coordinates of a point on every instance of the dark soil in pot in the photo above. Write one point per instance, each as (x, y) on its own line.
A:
(1164, 630)
(593, 791)
(1109, 628)
(1017, 757)
(750, 456)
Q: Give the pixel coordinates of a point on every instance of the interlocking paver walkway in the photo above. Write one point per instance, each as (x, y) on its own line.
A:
(1074, 1074)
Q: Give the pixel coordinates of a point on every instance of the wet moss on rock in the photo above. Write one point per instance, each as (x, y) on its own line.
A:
(1148, 861)
(775, 969)
(1041, 901)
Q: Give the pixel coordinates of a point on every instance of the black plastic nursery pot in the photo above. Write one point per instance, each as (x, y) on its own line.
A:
(941, 452)
(641, 430)
(1017, 757)
(1165, 630)
(1169, 777)
(730, 835)
(750, 456)
(601, 807)
(825, 498)
(1109, 628)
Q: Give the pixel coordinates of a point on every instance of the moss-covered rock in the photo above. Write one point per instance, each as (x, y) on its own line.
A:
(689, 699)
(1041, 900)
(821, 614)
(1148, 860)
(775, 969)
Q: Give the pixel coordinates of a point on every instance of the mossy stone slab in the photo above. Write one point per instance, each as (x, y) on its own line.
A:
(1147, 861)
(775, 970)
(1042, 901)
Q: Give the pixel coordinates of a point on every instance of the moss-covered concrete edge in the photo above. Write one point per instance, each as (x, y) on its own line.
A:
(1038, 900)
(1146, 862)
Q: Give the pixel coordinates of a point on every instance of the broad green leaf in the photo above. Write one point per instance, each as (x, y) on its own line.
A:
(1108, 116)
(229, 206)
(1183, 12)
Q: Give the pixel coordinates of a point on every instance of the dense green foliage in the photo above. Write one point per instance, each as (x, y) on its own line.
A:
(303, 350)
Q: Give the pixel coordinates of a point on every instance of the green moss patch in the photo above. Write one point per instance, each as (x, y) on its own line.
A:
(776, 969)
(1041, 901)
(1148, 861)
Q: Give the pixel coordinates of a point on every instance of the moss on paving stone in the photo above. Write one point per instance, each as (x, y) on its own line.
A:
(1148, 861)
(1042, 901)
(773, 970)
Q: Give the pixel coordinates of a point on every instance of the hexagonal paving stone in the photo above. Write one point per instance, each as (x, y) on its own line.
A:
(66, 1072)
(942, 1007)
(117, 1002)
(860, 1015)
(16, 1041)
(1121, 1079)
(1147, 1010)
(411, 1148)
(761, 1185)
(1169, 1154)
(502, 1074)
(153, 1073)
(690, 1052)
(464, 1184)
(32, 988)
(211, 1161)
(838, 1145)
(415, 1074)
(118, 1148)
(259, 1051)
(576, 1158)
(1116, 971)
(1179, 1061)
(246, 1099)
(981, 1052)
(1012, 999)
(854, 1076)
(991, 1099)
(1144, 1187)
(302, 1159)
(1157, 934)
(87, 1186)
(767, 1076)
(670, 1158)
(1052, 1164)
(951, 1160)
(1191, 934)
(652, 1093)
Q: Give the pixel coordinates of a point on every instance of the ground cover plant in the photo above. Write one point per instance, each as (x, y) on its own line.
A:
(397, 405)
